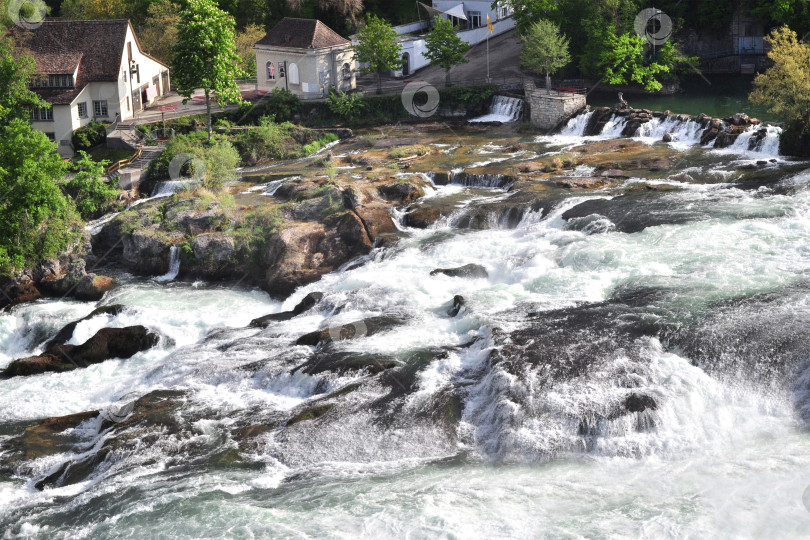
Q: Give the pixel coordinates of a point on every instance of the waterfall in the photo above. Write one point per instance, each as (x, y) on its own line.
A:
(174, 265)
(502, 109)
(614, 127)
(758, 139)
(682, 131)
(481, 180)
(576, 125)
(170, 187)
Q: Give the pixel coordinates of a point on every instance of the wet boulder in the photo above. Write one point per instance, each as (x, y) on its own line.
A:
(302, 252)
(214, 255)
(18, 293)
(92, 287)
(422, 217)
(307, 303)
(401, 192)
(458, 304)
(146, 252)
(471, 271)
(353, 330)
(106, 344)
(64, 335)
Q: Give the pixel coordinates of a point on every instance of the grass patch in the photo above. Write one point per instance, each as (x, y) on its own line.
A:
(418, 150)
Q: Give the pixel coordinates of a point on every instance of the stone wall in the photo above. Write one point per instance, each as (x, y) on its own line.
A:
(548, 110)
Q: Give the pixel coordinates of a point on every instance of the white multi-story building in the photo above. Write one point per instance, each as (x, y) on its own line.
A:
(89, 70)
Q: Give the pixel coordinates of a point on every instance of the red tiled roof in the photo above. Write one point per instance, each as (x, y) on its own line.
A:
(302, 34)
(58, 46)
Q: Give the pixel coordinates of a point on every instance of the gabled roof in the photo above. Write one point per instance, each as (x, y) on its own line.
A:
(59, 46)
(302, 34)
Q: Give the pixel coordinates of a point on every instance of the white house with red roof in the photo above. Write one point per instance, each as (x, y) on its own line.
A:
(89, 70)
(305, 57)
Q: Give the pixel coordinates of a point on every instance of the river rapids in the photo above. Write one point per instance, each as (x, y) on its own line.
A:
(631, 366)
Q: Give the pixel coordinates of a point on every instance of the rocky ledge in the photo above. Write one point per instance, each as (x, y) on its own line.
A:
(720, 132)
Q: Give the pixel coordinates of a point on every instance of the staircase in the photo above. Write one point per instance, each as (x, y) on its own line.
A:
(130, 177)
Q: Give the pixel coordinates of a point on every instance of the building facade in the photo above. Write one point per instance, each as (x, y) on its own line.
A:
(89, 70)
(305, 57)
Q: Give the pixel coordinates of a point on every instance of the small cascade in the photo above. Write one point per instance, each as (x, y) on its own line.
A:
(481, 180)
(170, 187)
(502, 109)
(576, 125)
(759, 139)
(174, 266)
(614, 127)
(681, 131)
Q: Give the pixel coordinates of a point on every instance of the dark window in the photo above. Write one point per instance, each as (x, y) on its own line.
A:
(271, 71)
(60, 81)
(41, 115)
(51, 136)
(475, 19)
(83, 110)
(100, 108)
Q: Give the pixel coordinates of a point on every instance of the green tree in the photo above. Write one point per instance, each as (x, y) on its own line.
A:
(545, 49)
(15, 71)
(785, 87)
(158, 33)
(377, 45)
(245, 41)
(37, 221)
(623, 62)
(91, 194)
(205, 55)
(444, 47)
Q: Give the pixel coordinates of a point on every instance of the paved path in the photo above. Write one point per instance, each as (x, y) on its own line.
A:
(504, 64)
(152, 114)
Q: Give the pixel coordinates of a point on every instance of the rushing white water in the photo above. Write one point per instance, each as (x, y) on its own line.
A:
(766, 146)
(720, 456)
(684, 134)
(503, 109)
(174, 265)
(575, 127)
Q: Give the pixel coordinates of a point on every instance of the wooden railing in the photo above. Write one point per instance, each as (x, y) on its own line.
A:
(120, 164)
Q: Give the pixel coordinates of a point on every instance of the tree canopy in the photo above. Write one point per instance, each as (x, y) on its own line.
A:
(205, 55)
(377, 46)
(545, 49)
(785, 87)
(444, 47)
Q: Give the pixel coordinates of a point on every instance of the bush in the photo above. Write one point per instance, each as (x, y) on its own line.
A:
(265, 142)
(92, 195)
(256, 229)
(216, 159)
(86, 137)
(280, 104)
(346, 106)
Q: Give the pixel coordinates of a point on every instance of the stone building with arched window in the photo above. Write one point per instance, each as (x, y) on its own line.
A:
(305, 57)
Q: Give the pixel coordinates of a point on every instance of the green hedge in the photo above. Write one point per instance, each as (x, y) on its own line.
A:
(86, 137)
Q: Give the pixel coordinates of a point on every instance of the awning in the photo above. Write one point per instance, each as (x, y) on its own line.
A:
(457, 12)
(431, 10)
